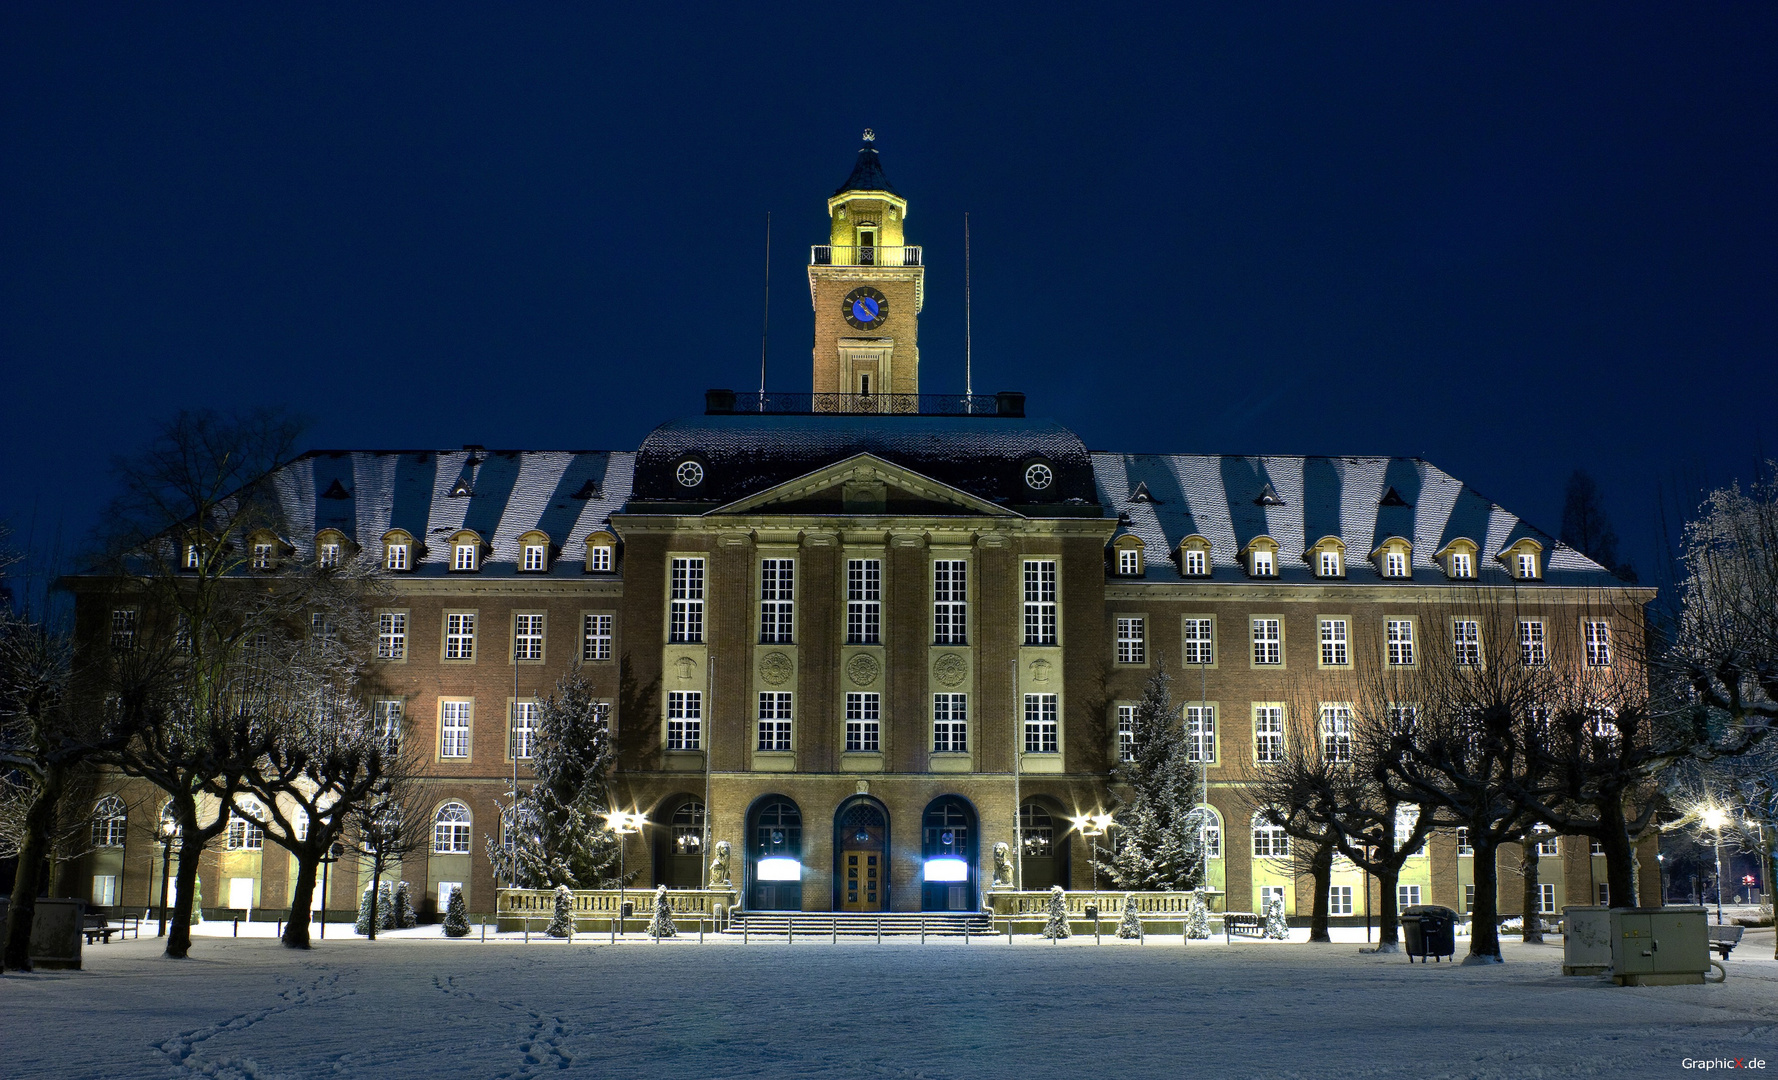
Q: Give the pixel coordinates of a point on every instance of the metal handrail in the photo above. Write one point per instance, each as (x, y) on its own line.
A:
(1006, 404)
(864, 255)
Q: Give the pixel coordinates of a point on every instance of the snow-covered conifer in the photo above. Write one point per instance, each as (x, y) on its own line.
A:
(1156, 842)
(1197, 917)
(366, 901)
(1276, 927)
(562, 925)
(403, 907)
(1130, 926)
(662, 924)
(456, 920)
(1057, 926)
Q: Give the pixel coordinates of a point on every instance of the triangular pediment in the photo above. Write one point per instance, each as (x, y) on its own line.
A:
(865, 485)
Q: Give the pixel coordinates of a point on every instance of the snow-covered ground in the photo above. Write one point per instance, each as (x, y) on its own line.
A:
(417, 1005)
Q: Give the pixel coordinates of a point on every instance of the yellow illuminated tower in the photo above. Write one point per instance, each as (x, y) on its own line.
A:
(867, 286)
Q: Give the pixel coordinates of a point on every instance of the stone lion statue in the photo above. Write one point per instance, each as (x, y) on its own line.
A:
(719, 872)
(1002, 866)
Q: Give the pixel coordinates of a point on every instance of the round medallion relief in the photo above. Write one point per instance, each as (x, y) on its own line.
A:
(1040, 671)
(862, 669)
(950, 669)
(775, 669)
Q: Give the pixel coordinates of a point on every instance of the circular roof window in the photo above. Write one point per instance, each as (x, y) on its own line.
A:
(690, 474)
(1039, 476)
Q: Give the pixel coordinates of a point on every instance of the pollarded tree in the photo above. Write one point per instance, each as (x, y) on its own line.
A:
(388, 827)
(1158, 842)
(558, 833)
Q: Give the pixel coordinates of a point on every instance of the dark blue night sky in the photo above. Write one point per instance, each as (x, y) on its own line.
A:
(1516, 240)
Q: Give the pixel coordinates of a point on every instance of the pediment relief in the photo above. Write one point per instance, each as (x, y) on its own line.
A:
(867, 486)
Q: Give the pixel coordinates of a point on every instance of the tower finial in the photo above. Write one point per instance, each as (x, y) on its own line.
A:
(869, 135)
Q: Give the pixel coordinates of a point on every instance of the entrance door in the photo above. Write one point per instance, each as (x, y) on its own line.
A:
(864, 861)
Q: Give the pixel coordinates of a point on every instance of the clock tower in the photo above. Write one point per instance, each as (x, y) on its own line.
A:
(867, 286)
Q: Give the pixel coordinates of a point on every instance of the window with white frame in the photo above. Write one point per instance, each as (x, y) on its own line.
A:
(110, 818)
(1546, 898)
(950, 723)
(599, 559)
(1210, 832)
(1129, 562)
(262, 556)
(1604, 894)
(453, 729)
(386, 723)
(1598, 636)
(1333, 643)
(1269, 841)
(1270, 893)
(463, 556)
(1547, 843)
(1336, 732)
(451, 830)
(1200, 733)
(950, 604)
(1527, 562)
(1268, 641)
(1328, 564)
(1197, 562)
(1399, 634)
(1126, 732)
(104, 890)
(685, 720)
(527, 636)
(395, 557)
(1403, 718)
(1268, 733)
(194, 557)
(1199, 645)
(864, 601)
(1407, 819)
(524, 729)
(123, 628)
(1463, 848)
(1468, 898)
(328, 556)
(1466, 642)
(460, 636)
(1407, 896)
(1041, 735)
(595, 637)
(392, 635)
(324, 629)
(774, 721)
(777, 601)
(1395, 564)
(245, 833)
(1462, 565)
(685, 624)
(864, 723)
(1339, 900)
(536, 557)
(1262, 563)
(1531, 645)
(1132, 644)
(1040, 602)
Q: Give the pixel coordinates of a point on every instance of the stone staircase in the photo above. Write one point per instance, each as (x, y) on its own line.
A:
(833, 925)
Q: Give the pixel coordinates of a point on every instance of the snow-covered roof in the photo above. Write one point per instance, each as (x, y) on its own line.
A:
(1164, 498)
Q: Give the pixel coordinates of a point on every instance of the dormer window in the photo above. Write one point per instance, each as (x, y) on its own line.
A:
(599, 559)
(194, 557)
(463, 556)
(262, 555)
(1194, 556)
(601, 553)
(1261, 557)
(535, 556)
(1394, 558)
(1263, 565)
(1126, 553)
(1462, 564)
(330, 548)
(1395, 564)
(1458, 557)
(398, 550)
(328, 556)
(397, 557)
(1329, 564)
(1524, 559)
(1328, 557)
(1527, 565)
(534, 552)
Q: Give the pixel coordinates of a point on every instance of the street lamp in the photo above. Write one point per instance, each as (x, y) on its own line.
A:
(623, 824)
(1714, 819)
(169, 830)
(1093, 826)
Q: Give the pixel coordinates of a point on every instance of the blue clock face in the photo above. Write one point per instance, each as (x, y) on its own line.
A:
(865, 308)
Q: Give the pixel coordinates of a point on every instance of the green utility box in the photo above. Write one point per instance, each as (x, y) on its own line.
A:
(1665, 946)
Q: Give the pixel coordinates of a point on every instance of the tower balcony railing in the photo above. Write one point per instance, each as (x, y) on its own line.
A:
(864, 255)
(1004, 404)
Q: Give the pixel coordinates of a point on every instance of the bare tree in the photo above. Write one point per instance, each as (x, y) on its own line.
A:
(391, 824)
(1587, 529)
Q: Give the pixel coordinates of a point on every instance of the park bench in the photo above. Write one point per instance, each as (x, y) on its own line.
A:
(99, 928)
(1724, 938)
(1243, 923)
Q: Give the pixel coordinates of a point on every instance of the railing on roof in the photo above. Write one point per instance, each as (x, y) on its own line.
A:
(1005, 403)
(863, 255)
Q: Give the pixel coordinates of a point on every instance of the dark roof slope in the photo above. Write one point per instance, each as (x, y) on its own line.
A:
(867, 175)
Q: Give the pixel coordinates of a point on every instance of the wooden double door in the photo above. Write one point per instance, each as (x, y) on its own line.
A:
(864, 870)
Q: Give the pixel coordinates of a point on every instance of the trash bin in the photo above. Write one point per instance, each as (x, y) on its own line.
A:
(1431, 931)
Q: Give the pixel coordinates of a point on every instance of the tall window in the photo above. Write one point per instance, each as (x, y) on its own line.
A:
(1197, 562)
(864, 601)
(392, 635)
(774, 720)
(1210, 832)
(245, 833)
(1336, 732)
(1200, 734)
(950, 724)
(1400, 636)
(1126, 732)
(1132, 647)
(1040, 723)
(1461, 565)
(1531, 650)
(1037, 830)
(1407, 819)
(1463, 848)
(123, 628)
(685, 720)
(460, 636)
(1546, 898)
(1466, 642)
(1268, 642)
(453, 721)
(1547, 843)
(686, 606)
(1333, 643)
(1269, 841)
(395, 557)
(1199, 648)
(527, 637)
(1598, 643)
(524, 728)
(463, 557)
(777, 601)
(1129, 562)
(536, 557)
(950, 603)
(1268, 733)
(595, 637)
(386, 723)
(600, 559)
(1040, 602)
(450, 829)
(864, 724)
(1395, 564)
(1330, 564)
(1339, 900)
(110, 819)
